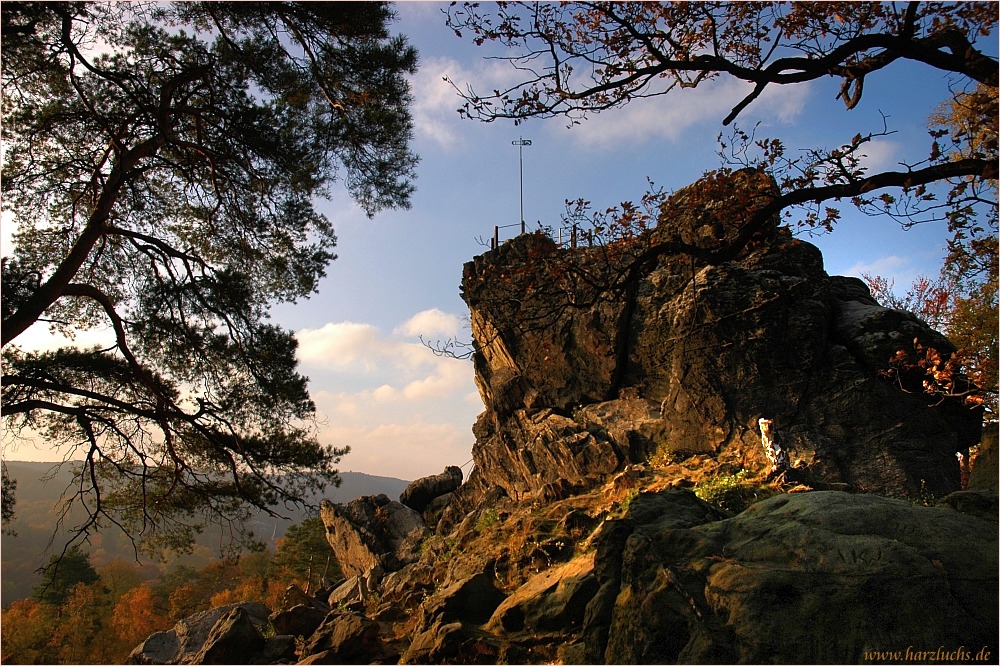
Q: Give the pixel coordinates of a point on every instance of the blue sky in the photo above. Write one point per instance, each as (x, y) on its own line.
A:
(407, 413)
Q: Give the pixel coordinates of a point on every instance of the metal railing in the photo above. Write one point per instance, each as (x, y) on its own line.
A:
(564, 236)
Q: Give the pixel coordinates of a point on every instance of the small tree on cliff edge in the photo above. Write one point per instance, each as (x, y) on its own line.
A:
(160, 166)
(576, 59)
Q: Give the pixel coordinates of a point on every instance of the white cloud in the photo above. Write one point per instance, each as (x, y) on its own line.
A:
(38, 337)
(353, 347)
(407, 432)
(890, 265)
(782, 103)
(403, 410)
(337, 345)
(900, 271)
(436, 101)
(403, 450)
(429, 324)
(880, 155)
(451, 377)
(672, 116)
(442, 379)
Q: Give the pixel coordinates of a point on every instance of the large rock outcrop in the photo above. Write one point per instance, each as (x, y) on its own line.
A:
(687, 356)
(617, 378)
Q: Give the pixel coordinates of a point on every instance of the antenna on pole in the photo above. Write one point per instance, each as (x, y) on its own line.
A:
(521, 143)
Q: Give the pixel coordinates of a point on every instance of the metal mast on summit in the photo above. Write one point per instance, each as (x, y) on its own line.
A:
(521, 143)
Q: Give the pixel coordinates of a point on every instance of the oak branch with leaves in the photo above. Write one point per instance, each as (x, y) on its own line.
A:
(160, 169)
(575, 59)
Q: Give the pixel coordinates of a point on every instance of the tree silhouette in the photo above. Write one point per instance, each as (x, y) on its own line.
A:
(8, 497)
(160, 167)
(62, 573)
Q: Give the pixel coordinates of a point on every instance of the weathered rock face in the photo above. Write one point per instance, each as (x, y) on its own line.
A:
(370, 531)
(689, 358)
(343, 638)
(819, 577)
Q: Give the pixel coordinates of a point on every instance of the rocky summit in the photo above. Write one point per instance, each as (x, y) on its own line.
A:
(680, 460)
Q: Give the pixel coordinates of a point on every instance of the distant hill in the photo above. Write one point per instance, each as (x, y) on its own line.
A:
(35, 518)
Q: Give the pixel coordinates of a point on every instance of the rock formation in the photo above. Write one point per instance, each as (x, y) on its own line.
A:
(372, 531)
(233, 634)
(690, 357)
(823, 577)
(620, 383)
(419, 494)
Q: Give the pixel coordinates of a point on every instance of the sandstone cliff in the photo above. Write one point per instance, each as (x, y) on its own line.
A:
(688, 357)
(620, 383)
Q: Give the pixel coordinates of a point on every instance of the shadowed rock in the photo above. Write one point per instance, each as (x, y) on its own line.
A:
(226, 635)
(419, 494)
(578, 383)
(343, 638)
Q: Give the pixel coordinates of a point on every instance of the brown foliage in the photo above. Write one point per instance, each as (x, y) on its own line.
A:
(575, 59)
(135, 616)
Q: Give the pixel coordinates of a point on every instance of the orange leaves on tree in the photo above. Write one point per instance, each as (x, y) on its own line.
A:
(27, 629)
(135, 616)
(941, 376)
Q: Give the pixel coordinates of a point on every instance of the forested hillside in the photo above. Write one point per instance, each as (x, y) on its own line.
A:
(36, 516)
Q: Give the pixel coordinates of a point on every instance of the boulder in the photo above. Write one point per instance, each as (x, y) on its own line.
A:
(356, 590)
(296, 596)
(370, 531)
(669, 510)
(447, 624)
(410, 585)
(343, 638)
(232, 634)
(454, 643)
(472, 600)
(301, 620)
(420, 493)
(821, 577)
(161, 647)
(233, 639)
(553, 600)
(982, 503)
